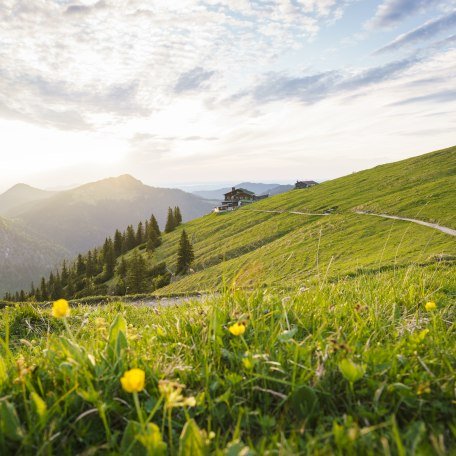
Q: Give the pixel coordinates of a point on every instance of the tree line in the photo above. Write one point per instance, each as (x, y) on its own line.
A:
(87, 276)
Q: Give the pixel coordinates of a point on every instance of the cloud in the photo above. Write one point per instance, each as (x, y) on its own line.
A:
(377, 74)
(308, 89)
(80, 9)
(424, 32)
(316, 87)
(445, 96)
(391, 12)
(192, 80)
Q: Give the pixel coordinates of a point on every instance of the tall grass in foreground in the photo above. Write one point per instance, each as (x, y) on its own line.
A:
(360, 366)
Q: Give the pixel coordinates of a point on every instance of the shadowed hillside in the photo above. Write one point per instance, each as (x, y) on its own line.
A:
(24, 257)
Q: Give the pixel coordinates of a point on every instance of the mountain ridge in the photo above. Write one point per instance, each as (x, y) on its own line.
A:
(80, 218)
(19, 195)
(306, 235)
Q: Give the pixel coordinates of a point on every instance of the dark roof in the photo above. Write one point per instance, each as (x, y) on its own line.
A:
(306, 182)
(242, 190)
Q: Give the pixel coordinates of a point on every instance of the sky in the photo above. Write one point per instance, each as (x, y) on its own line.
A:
(205, 91)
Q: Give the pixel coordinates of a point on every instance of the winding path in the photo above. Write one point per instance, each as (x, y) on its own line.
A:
(443, 229)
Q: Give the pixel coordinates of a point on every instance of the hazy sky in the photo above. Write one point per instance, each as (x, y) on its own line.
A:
(221, 90)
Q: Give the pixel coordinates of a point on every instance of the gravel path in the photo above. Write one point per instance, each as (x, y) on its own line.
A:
(170, 301)
(443, 229)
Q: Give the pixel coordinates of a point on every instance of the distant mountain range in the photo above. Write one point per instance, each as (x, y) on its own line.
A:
(40, 228)
(257, 188)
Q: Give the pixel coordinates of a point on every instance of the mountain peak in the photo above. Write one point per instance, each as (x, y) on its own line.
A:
(123, 180)
(22, 187)
(128, 178)
(19, 195)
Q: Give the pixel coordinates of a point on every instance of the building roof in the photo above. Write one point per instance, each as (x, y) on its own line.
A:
(240, 190)
(306, 182)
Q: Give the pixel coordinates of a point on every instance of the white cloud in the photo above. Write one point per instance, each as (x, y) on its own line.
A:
(158, 88)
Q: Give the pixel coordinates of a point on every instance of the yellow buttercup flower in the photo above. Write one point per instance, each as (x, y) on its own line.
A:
(60, 308)
(133, 381)
(237, 329)
(430, 306)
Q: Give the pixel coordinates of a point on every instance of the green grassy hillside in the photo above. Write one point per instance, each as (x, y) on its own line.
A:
(269, 244)
(259, 248)
(322, 335)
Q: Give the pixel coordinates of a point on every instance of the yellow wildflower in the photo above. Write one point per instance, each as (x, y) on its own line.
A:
(60, 308)
(431, 305)
(190, 401)
(172, 392)
(423, 388)
(237, 329)
(133, 381)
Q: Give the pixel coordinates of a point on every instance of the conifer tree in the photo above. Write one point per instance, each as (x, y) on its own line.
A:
(109, 258)
(124, 243)
(170, 222)
(177, 216)
(57, 291)
(154, 224)
(98, 262)
(80, 266)
(122, 268)
(185, 255)
(43, 290)
(150, 247)
(140, 234)
(130, 240)
(117, 243)
(136, 274)
(153, 239)
(64, 275)
(90, 264)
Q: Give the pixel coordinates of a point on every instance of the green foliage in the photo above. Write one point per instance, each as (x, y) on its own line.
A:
(192, 440)
(170, 221)
(177, 216)
(185, 255)
(10, 427)
(136, 274)
(351, 371)
(292, 370)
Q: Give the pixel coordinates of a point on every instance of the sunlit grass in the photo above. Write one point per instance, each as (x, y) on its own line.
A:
(362, 365)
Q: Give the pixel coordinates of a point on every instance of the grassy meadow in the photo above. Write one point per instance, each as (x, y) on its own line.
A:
(261, 249)
(315, 335)
(356, 366)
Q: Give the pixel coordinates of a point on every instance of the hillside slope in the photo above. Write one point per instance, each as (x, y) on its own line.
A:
(81, 218)
(288, 249)
(24, 257)
(276, 243)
